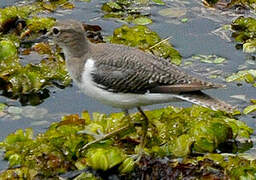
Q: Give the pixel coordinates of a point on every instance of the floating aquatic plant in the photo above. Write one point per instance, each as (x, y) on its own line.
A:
(245, 33)
(143, 38)
(175, 132)
(250, 108)
(248, 76)
(129, 10)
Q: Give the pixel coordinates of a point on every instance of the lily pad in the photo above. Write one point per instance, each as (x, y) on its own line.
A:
(142, 21)
(173, 12)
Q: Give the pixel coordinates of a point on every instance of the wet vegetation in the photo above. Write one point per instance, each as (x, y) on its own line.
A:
(173, 132)
(248, 76)
(192, 142)
(143, 38)
(129, 10)
(230, 4)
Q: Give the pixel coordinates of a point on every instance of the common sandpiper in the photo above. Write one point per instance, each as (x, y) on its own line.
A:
(125, 77)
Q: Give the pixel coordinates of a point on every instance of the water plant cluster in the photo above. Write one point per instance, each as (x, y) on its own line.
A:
(143, 38)
(130, 11)
(173, 132)
(19, 78)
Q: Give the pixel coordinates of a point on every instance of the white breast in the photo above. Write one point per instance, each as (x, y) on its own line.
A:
(120, 100)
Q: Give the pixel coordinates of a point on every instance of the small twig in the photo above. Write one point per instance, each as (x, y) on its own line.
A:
(105, 136)
(166, 39)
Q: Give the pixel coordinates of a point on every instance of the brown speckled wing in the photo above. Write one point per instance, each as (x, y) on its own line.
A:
(130, 70)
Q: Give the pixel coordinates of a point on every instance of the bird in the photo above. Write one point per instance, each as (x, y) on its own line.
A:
(126, 77)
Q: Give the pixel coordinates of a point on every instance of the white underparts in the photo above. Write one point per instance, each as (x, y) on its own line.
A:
(120, 100)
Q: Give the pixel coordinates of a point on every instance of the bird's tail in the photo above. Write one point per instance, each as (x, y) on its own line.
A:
(202, 99)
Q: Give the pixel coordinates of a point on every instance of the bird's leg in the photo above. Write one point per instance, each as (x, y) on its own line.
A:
(127, 115)
(113, 133)
(144, 130)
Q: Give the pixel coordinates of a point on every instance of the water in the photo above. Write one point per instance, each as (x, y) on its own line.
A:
(193, 37)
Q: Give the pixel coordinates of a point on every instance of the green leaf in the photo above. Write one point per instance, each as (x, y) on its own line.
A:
(249, 109)
(182, 145)
(173, 12)
(2, 107)
(104, 159)
(159, 2)
(184, 20)
(253, 101)
(142, 21)
(219, 60)
(209, 59)
(127, 165)
(7, 50)
(248, 76)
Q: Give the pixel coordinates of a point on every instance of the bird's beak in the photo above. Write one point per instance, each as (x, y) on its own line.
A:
(42, 38)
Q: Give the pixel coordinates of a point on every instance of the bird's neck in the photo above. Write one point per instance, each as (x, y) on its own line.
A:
(77, 48)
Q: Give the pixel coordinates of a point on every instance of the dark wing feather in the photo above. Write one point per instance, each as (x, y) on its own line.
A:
(128, 80)
(133, 71)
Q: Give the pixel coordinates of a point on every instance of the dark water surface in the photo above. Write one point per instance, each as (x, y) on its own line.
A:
(193, 37)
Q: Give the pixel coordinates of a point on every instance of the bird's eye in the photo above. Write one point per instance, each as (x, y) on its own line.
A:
(55, 31)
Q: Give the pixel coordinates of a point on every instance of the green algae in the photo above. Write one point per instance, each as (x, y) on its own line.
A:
(173, 131)
(143, 38)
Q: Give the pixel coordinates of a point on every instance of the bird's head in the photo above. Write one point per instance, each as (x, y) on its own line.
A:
(67, 33)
